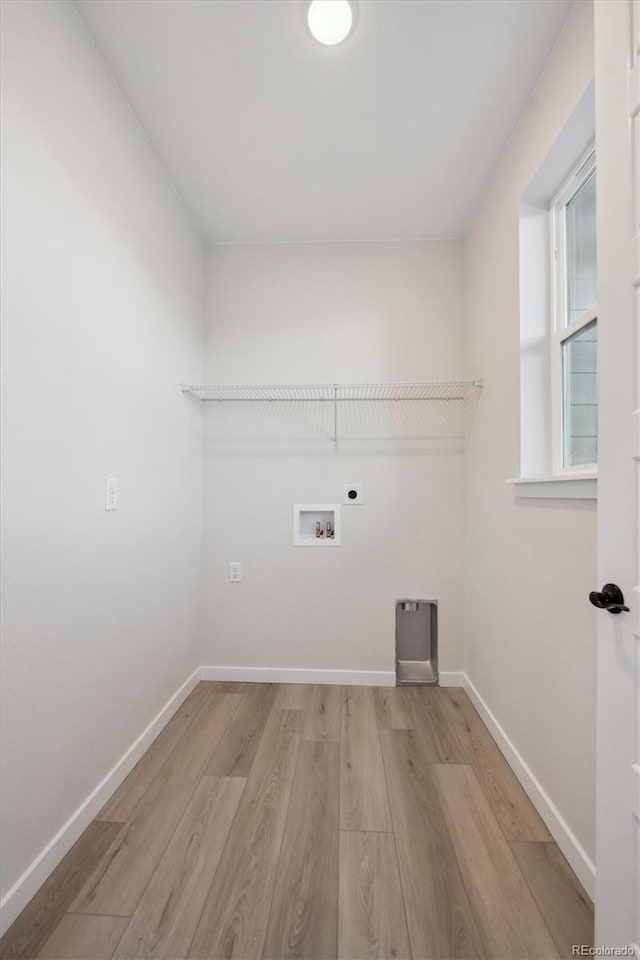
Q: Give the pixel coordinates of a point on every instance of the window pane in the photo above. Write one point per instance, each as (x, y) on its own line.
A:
(580, 396)
(581, 250)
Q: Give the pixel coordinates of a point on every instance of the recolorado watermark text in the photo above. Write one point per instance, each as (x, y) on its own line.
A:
(583, 950)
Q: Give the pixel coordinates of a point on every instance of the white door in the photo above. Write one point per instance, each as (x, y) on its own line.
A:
(617, 49)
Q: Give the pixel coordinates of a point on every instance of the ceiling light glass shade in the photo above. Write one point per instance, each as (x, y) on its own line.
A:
(330, 21)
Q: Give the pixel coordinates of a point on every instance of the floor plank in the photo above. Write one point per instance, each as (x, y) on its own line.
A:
(322, 714)
(166, 918)
(510, 804)
(364, 804)
(130, 792)
(230, 686)
(291, 696)
(119, 880)
(79, 936)
(507, 915)
(303, 920)
(565, 907)
(238, 747)
(440, 739)
(236, 912)
(371, 917)
(440, 920)
(28, 934)
(390, 708)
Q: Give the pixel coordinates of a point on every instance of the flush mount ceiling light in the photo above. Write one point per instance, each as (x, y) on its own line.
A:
(330, 21)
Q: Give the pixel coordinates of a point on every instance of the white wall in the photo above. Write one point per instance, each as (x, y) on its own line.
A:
(102, 318)
(317, 313)
(529, 564)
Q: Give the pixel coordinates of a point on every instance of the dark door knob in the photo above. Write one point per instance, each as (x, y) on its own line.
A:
(610, 598)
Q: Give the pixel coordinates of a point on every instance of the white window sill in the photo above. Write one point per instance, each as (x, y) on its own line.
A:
(580, 486)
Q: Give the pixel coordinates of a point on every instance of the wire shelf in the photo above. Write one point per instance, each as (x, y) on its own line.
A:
(410, 390)
(416, 415)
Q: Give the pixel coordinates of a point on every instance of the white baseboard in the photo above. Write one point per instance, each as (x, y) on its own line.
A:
(451, 678)
(16, 899)
(370, 678)
(581, 864)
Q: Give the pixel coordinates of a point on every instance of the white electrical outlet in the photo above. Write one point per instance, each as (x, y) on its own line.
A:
(235, 571)
(111, 493)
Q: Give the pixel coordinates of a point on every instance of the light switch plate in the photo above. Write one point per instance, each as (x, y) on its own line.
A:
(111, 493)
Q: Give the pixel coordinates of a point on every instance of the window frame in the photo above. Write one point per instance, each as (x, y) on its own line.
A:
(561, 329)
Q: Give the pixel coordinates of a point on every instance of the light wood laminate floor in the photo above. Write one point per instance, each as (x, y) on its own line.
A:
(314, 822)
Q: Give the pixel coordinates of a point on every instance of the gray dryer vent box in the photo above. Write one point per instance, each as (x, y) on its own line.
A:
(416, 642)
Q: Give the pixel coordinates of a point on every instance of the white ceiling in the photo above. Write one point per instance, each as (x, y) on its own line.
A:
(269, 135)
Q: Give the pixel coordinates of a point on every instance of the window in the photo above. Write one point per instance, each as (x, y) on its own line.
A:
(558, 316)
(574, 340)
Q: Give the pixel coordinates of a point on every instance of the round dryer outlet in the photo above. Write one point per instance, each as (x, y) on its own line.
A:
(352, 493)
